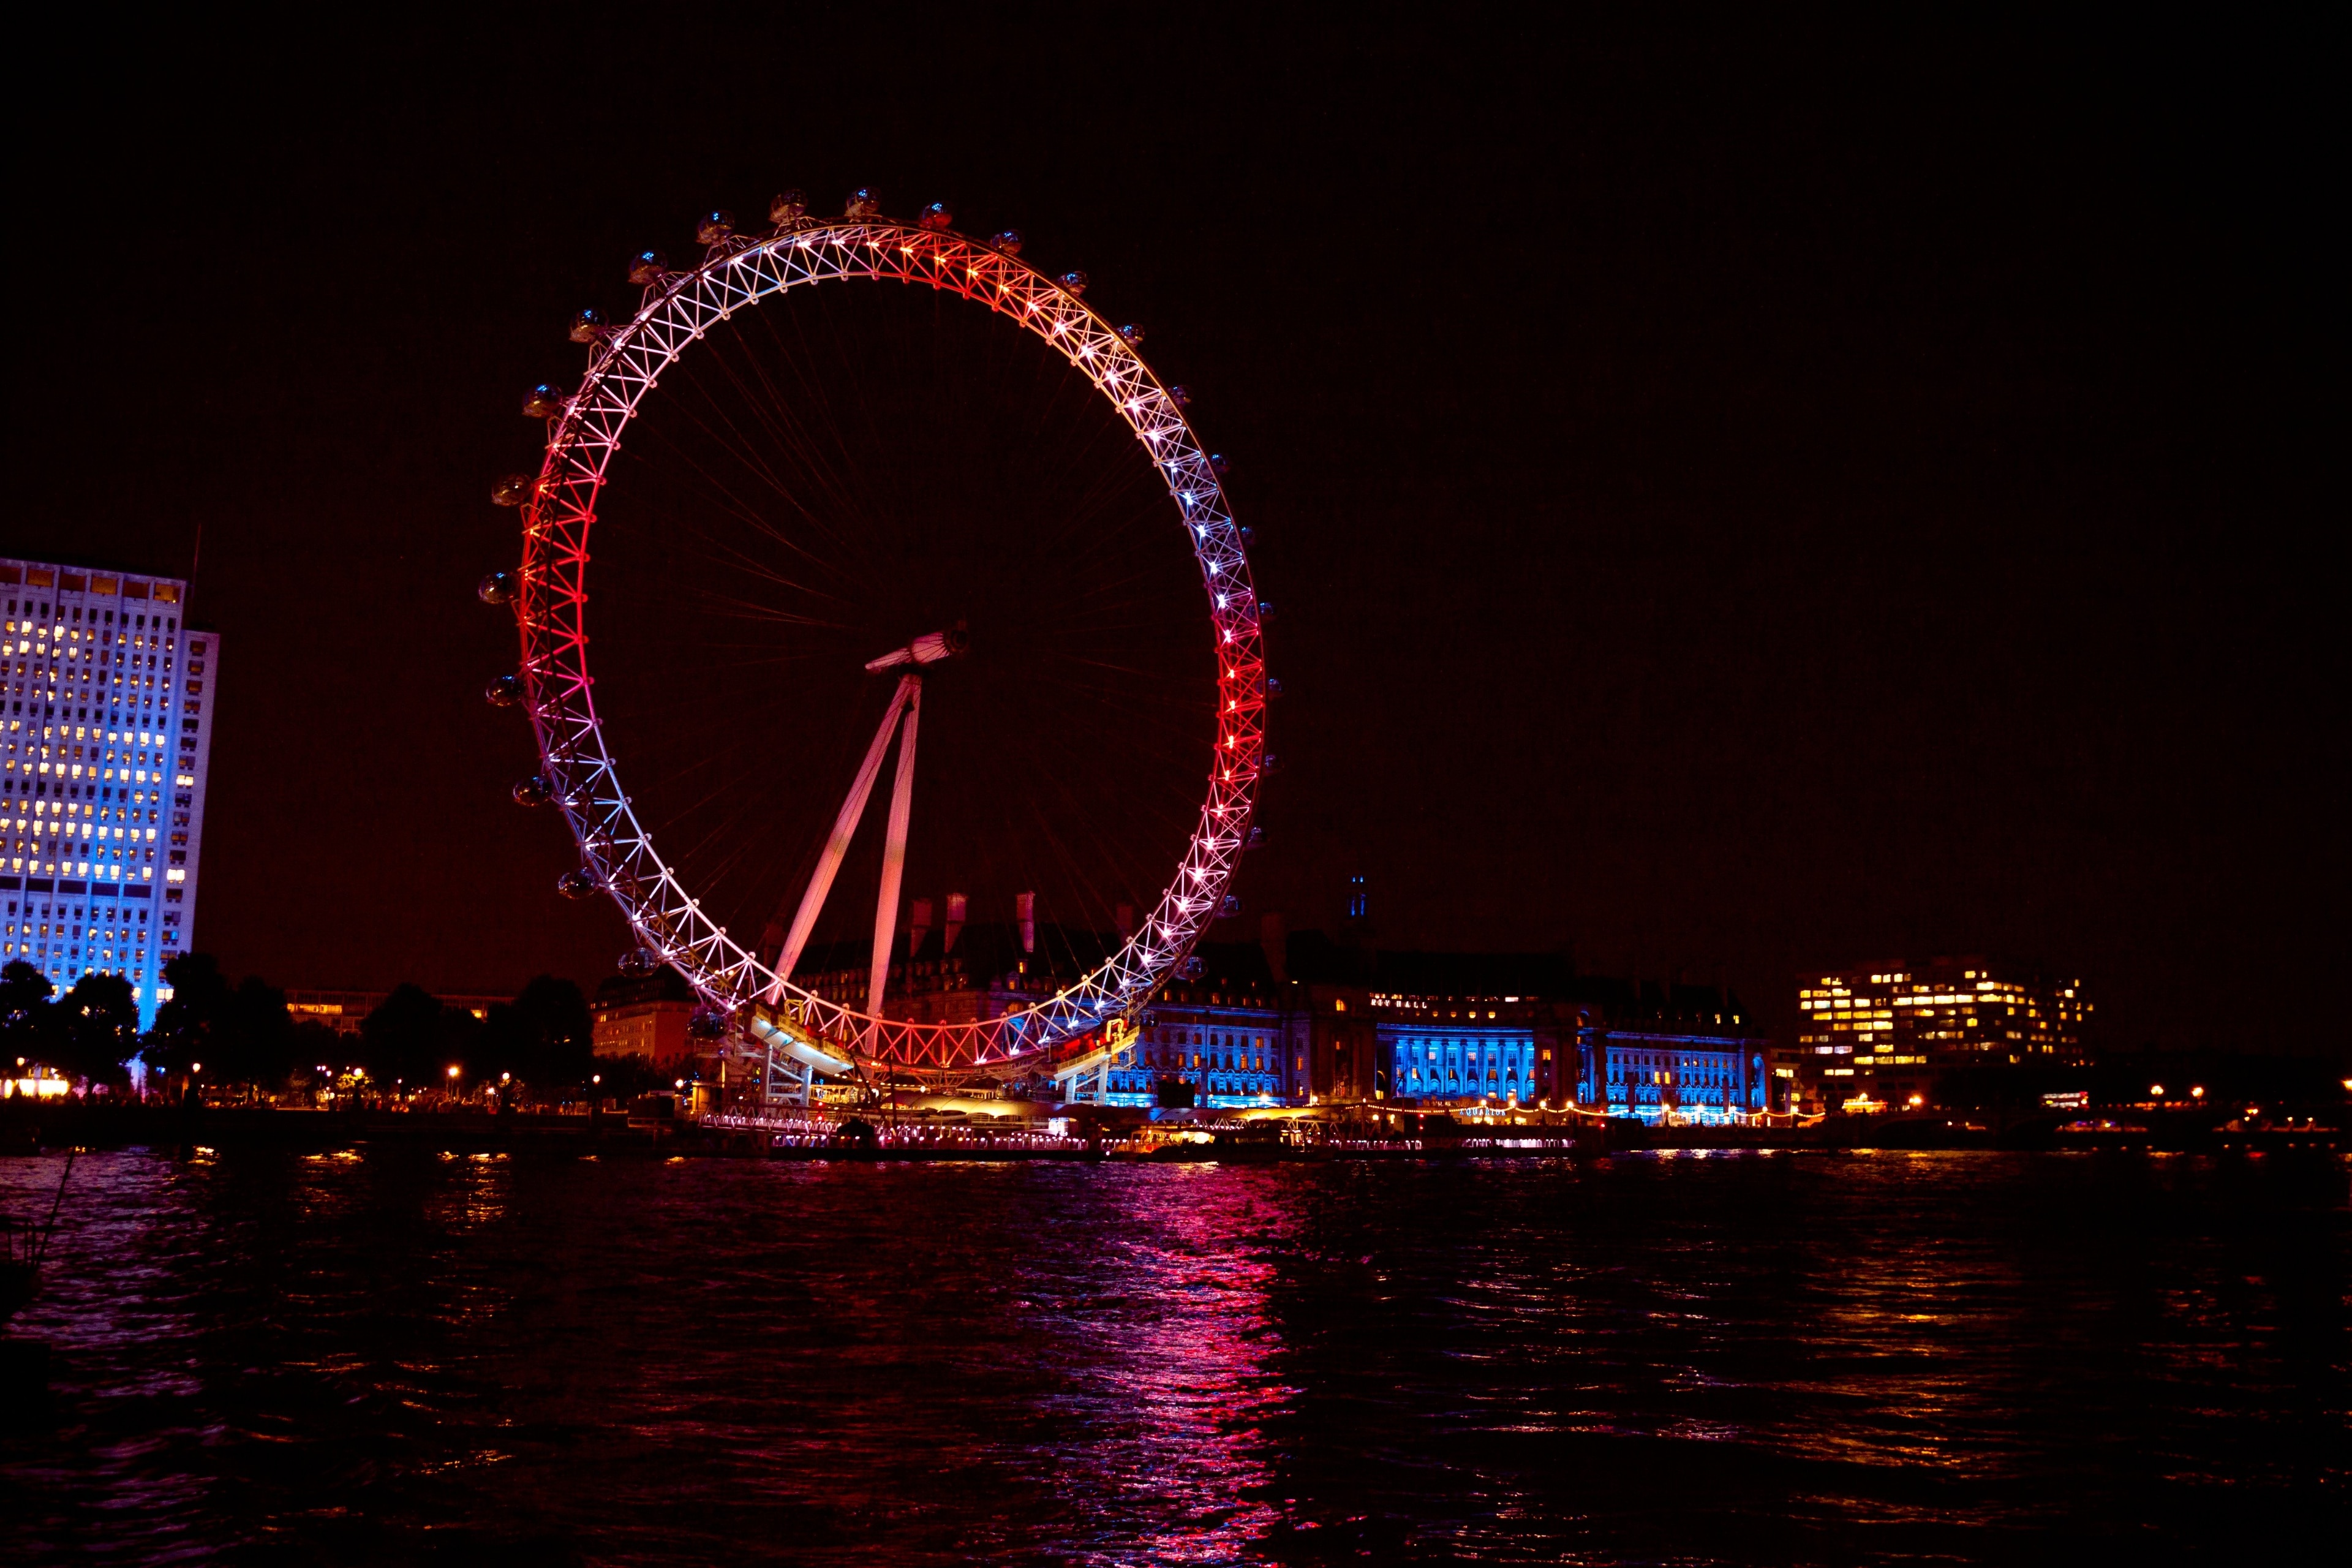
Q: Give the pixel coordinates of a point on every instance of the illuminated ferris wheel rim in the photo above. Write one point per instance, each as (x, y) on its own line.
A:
(618, 853)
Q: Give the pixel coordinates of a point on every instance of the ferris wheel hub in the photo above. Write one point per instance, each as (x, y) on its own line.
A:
(928, 649)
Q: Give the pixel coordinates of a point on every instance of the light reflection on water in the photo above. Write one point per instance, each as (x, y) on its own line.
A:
(362, 1357)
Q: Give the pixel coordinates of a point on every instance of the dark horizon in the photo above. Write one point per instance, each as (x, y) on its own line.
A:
(1736, 505)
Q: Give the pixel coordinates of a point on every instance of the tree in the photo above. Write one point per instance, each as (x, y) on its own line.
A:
(189, 1027)
(241, 1033)
(401, 1040)
(413, 1039)
(544, 1037)
(97, 1029)
(317, 1045)
(259, 1036)
(27, 1016)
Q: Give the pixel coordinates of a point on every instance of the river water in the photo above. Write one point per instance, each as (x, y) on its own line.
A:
(1751, 1358)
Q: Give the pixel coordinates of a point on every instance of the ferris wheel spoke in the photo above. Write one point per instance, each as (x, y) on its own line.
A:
(894, 848)
(845, 829)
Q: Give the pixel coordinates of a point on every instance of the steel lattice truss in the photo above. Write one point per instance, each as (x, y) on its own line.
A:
(626, 364)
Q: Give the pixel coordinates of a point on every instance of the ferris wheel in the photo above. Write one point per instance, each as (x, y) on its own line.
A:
(793, 523)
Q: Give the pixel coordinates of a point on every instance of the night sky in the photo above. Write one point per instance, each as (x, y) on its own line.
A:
(1739, 498)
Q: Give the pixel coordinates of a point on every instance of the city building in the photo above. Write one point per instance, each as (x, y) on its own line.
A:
(1229, 1037)
(1688, 1074)
(1300, 1018)
(645, 1017)
(345, 1011)
(1880, 1035)
(107, 697)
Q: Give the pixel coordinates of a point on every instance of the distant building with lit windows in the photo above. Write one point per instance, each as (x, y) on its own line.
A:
(346, 1012)
(646, 1016)
(1882, 1035)
(1228, 1038)
(108, 733)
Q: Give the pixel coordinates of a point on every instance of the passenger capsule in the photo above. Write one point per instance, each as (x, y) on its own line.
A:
(1220, 462)
(785, 207)
(938, 215)
(587, 326)
(1194, 968)
(1273, 687)
(1264, 611)
(638, 961)
(1130, 334)
(536, 790)
(1180, 395)
(514, 490)
(576, 884)
(497, 588)
(713, 226)
(545, 403)
(707, 1024)
(862, 203)
(503, 690)
(1007, 240)
(650, 268)
(1256, 840)
(1246, 532)
(1230, 907)
(1074, 281)
(1269, 763)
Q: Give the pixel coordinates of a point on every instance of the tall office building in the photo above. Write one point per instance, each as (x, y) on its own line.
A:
(104, 696)
(1885, 1032)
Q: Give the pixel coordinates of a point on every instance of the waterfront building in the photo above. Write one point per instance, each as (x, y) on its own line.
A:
(1300, 1018)
(345, 1011)
(1296, 1018)
(646, 1015)
(1678, 1073)
(1879, 1036)
(1229, 1037)
(1464, 1046)
(103, 759)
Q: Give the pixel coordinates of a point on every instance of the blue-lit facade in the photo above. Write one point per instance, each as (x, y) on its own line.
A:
(1684, 1054)
(1231, 1042)
(1442, 1051)
(105, 738)
(1671, 1076)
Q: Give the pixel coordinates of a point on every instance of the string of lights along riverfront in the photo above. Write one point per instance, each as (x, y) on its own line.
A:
(108, 735)
(844, 516)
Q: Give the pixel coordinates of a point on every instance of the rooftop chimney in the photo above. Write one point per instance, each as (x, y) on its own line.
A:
(919, 927)
(956, 907)
(1025, 907)
(1275, 940)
